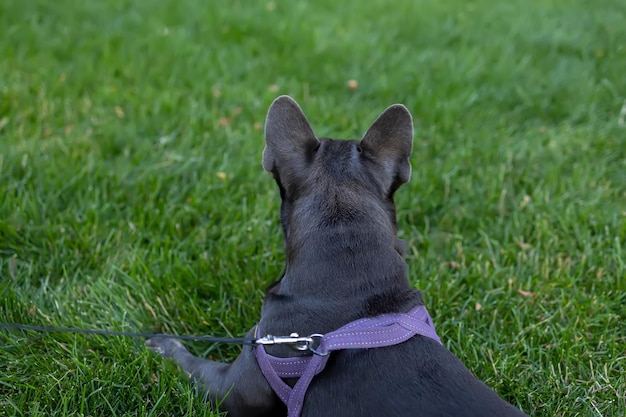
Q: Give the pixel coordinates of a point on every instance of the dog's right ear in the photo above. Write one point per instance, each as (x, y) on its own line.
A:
(389, 142)
(288, 135)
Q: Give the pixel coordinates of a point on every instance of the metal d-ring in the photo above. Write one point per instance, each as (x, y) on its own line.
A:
(316, 342)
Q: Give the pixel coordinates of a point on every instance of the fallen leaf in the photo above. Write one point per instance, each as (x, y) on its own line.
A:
(525, 200)
(478, 307)
(525, 293)
(452, 264)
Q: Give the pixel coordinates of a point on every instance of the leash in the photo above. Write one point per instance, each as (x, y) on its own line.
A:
(294, 340)
(52, 329)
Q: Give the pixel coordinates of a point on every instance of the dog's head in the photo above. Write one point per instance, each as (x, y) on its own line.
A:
(326, 181)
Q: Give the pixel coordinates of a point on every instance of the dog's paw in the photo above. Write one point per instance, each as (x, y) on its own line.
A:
(165, 346)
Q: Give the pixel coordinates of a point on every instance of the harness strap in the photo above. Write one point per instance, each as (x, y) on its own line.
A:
(381, 331)
(372, 332)
(303, 367)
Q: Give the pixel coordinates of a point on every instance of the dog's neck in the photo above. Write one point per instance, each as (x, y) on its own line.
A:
(350, 247)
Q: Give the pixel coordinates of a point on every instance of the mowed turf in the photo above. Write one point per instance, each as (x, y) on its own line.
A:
(132, 195)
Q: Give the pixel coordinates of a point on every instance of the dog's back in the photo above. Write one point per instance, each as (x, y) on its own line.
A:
(345, 262)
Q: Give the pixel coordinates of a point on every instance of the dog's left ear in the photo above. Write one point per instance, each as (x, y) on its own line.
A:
(289, 139)
(389, 142)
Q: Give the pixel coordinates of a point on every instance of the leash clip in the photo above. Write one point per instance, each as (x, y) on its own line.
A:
(294, 340)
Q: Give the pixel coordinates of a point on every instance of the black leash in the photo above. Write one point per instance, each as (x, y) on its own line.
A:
(294, 340)
(51, 329)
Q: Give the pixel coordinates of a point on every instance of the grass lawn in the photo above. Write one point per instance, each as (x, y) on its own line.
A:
(132, 195)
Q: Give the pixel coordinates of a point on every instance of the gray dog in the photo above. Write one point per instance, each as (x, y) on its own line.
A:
(359, 341)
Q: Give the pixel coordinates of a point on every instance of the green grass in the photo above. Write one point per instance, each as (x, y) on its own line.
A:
(132, 195)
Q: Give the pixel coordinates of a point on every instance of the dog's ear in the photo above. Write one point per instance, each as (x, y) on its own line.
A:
(288, 135)
(389, 142)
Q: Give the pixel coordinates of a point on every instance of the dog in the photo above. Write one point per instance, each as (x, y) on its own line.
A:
(344, 267)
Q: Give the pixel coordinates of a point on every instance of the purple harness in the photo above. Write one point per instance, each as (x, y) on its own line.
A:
(380, 331)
